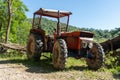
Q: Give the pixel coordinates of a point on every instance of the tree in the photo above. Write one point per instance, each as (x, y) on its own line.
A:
(115, 32)
(12, 14)
(9, 20)
(3, 18)
(23, 32)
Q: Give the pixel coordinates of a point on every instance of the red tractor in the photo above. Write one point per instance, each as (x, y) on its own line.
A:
(62, 44)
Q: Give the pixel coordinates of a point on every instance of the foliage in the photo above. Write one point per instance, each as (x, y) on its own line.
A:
(18, 17)
(113, 62)
(115, 32)
(21, 25)
(73, 65)
(118, 70)
(23, 32)
(11, 54)
(100, 35)
(112, 59)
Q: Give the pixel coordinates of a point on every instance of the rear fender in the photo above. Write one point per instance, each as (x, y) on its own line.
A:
(39, 32)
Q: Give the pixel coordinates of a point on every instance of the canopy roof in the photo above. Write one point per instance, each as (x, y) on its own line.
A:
(52, 13)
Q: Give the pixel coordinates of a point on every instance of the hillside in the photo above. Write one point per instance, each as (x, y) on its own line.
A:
(100, 35)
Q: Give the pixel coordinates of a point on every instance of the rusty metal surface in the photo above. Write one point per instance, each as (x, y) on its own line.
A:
(111, 45)
(52, 13)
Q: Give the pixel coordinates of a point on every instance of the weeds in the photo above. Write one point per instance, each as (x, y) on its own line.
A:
(45, 64)
(10, 54)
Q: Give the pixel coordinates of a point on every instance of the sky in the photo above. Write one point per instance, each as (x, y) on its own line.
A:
(98, 14)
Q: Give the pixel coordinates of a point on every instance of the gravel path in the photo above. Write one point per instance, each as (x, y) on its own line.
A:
(11, 71)
(17, 72)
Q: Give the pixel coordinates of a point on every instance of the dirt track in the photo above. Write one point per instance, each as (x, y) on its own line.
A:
(13, 71)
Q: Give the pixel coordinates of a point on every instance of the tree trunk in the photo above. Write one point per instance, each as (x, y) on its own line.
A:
(9, 20)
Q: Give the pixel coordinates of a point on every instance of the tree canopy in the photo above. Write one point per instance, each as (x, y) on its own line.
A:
(18, 10)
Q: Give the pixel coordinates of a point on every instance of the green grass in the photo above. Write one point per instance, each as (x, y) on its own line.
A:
(10, 55)
(45, 64)
(71, 64)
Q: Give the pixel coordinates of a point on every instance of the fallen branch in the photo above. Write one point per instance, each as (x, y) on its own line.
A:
(16, 47)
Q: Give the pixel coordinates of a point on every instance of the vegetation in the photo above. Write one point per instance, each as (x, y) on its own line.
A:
(12, 17)
(20, 26)
(99, 35)
(74, 67)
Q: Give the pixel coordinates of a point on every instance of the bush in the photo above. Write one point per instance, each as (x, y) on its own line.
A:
(112, 59)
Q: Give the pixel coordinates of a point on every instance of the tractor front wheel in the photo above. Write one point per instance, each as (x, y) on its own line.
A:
(59, 54)
(98, 57)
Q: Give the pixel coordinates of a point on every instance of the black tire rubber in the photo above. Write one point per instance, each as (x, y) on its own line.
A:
(34, 46)
(99, 57)
(59, 54)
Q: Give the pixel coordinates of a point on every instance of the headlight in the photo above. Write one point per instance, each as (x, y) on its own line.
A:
(84, 44)
(90, 45)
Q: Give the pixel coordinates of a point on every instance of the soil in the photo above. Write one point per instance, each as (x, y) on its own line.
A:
(17, 71)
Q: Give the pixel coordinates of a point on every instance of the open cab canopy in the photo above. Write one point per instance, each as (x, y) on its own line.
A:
(52, 13)
(61, 16)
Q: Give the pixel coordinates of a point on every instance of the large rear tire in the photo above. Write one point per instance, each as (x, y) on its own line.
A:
(99, 57)
(59, 54)
(34, 47)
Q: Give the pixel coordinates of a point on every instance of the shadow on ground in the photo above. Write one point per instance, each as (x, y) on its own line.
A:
(43, 66)
(117, 76)
(78, 68)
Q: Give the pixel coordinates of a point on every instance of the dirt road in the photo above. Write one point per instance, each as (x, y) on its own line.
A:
(13, 71)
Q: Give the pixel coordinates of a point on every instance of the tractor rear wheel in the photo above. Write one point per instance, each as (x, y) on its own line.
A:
(99, 56)
(34, 47)
(59, 54)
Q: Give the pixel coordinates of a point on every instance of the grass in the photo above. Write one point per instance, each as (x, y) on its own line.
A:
(16, 57)
(10, 54)
(72, 63)
(73, 66)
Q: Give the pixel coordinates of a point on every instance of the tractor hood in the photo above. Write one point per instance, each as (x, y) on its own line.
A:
(84, 34)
